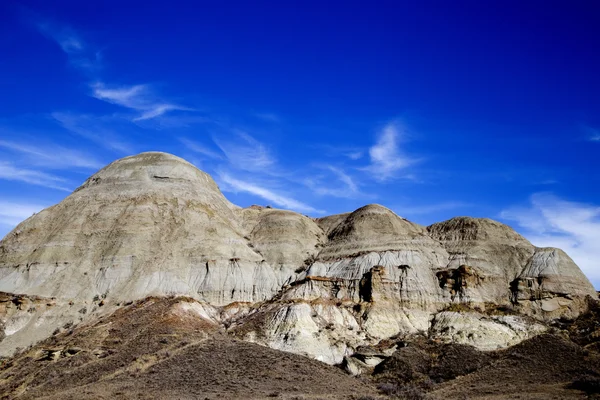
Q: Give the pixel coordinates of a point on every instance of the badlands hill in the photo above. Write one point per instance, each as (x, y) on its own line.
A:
(343, 289)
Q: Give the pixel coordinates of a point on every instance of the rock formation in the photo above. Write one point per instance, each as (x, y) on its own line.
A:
(154, 225)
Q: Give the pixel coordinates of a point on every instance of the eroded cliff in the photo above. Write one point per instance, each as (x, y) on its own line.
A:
(154, 225)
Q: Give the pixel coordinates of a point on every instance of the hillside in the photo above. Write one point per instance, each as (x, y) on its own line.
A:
(147, 271)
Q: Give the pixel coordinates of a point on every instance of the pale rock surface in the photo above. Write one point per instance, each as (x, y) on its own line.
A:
(154, 225)
(151, 224)
(494, 253)
(282, 237)
(550, 285)
(483, 332)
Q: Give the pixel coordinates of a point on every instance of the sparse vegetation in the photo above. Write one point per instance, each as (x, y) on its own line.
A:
(310, 260)
(164, 355)
(300, 269)
(589, 383)
(459, 307)
(405, 392)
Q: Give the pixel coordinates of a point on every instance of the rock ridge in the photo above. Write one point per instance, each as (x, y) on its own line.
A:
(155, 225)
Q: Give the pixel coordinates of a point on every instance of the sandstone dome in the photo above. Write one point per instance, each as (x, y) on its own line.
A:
(468, 228)
(328, 223)
(374, 220)
(551, 280)
(371, 228)
(282, 237)
(137, 227)
(149, 167)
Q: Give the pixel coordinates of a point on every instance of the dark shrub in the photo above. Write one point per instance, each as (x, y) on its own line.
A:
(587, 383)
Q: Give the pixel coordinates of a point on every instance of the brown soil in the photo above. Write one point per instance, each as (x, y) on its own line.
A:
(152, 350)
(543, 367)
(425, 363)
(562, 365)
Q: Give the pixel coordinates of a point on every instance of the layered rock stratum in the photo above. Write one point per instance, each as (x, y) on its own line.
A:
(335, 289)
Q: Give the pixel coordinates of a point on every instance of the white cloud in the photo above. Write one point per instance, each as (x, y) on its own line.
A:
(68, 40)
(81, 55)
(354, 155)
(137, 97)
(200, 149)
(593, 134)
(235, 185)
(247, 153)
(157, 110)
(130, 97)
(12, 213)
(52, 156)
(553, 222)
(11, 173)
(386, 157)
(324, 184)
(87, 59)
(94, 128)
(344, 178)
(70, 44)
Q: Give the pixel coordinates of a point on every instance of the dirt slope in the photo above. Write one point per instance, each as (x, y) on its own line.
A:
(564, 364)
(171, 348)
(160, 349)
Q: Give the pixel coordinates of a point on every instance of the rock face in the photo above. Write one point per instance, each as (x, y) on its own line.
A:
(154, 225)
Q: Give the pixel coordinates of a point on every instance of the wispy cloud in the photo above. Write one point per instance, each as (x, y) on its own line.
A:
(234, 185)
(550, 221)
(94, 128)
(246, 153)
(10, 172)
(68, 40)
(87, 59)
(386, 157)
(592, 134)
(352, 153)
(344, 178)
(13, 213)
(337, 183)
(52, 156)
(80, 54)
(136, 97)
(200, 149)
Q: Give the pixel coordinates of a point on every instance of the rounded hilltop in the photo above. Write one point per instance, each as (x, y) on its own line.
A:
(370, 228)
(373, 220)
(469, 228)
(148, 167)
(281, 236)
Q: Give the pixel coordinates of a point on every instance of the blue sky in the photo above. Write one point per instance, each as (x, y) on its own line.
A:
(433, 109)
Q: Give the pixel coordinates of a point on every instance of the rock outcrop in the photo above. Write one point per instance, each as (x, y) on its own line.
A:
(154, 225)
